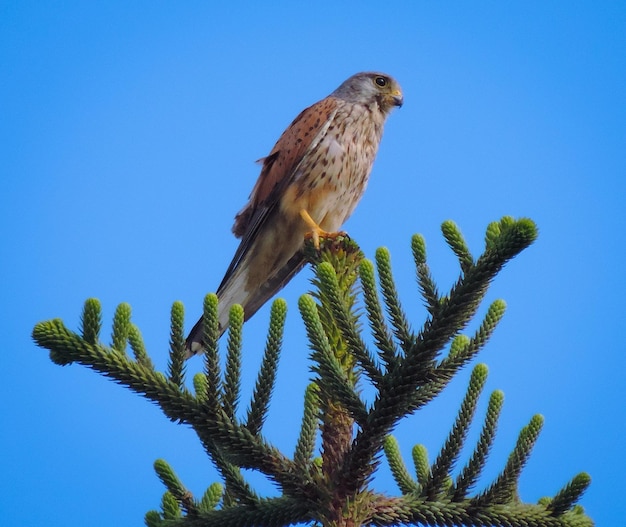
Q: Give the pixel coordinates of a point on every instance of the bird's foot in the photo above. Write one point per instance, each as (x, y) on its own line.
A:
(316, 231)
(316, 234)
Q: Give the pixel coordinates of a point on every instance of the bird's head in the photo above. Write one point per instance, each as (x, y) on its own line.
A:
(371, 87)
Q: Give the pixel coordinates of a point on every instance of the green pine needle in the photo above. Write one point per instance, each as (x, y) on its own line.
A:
(176, 364)
(334, 315)
(170, 507)
(139, 349)
(421, 463)
(211, 497)
(380, 330)
(509, 236)
(232, 374)
(418, 248)
(425, 280)
(305, 446)
(200, 386)
(332, 294)
(211, 358)
(492, 235)
(471, 472)
(121, 328)
(405, 482)
(459, 347)
(570, 494)
(334, 381)
(504, 489)
(457, 243)
(450, 451)
(64, 345)
(397, 317)
(236, 489)
(460, 356)
(317, 337)
(167, 476)
(266, 378)
(91, 321)
(153, 519)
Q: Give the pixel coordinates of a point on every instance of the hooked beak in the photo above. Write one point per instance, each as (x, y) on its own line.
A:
(397, 98)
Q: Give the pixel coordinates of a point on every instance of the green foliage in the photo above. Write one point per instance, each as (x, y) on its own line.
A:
(405, 482)
(121, 328)
(91, 321)
(232, 376)
(139, 349)
(211, 497)
(177, 345)
(259, 405)
(170, 479)
(570, 494)
(470, 473)
(305, 446)
(405, 368)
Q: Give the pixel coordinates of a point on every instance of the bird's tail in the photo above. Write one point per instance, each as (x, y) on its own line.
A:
(194, 343)
(233, 291)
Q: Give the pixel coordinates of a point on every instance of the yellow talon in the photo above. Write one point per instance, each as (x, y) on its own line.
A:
(316, 231)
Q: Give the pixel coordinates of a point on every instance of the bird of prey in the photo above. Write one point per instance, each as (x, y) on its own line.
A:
(309, 185)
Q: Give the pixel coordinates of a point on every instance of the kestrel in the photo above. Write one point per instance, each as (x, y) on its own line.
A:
(309, 185)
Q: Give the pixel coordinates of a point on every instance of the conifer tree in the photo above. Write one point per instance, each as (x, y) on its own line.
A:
(405, 368)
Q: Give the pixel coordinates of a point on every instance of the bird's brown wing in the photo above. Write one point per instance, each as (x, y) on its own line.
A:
(300, 137)
(280, 168)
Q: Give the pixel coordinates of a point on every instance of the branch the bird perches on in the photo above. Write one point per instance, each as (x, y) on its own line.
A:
(405, 368)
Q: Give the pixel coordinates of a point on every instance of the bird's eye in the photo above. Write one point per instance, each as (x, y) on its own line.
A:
(381, 81)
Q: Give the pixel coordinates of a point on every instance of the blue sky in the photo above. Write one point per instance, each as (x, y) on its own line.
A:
(128, 135)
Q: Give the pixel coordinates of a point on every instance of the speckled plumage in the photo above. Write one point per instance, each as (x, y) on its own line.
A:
(319, 165)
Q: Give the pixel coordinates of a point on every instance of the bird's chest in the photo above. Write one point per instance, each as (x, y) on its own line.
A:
(332, 177)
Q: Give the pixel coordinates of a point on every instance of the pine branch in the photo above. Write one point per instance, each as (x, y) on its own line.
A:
(66, 347)
(380, 330)
(266, 379)
(139, 349)
(232, 374)
(346, 322)
(405, 482)
(272, 512)
(406, 373)
(174, 487)
(462, 351)
(570, 494)
(412, 510)
(334, 383)
(200, 385)
(211, 360)
(170, 507)
(441, 469)
(401, 327)
(91, 321)
(219, 435)
(237, 490)
(424, 278)
(176, 365)
(455, 240)
(121, 328)
(470, 473)
(211, 498)
(422, 465)
(399, 386)
(504, 489)
(310, 421)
